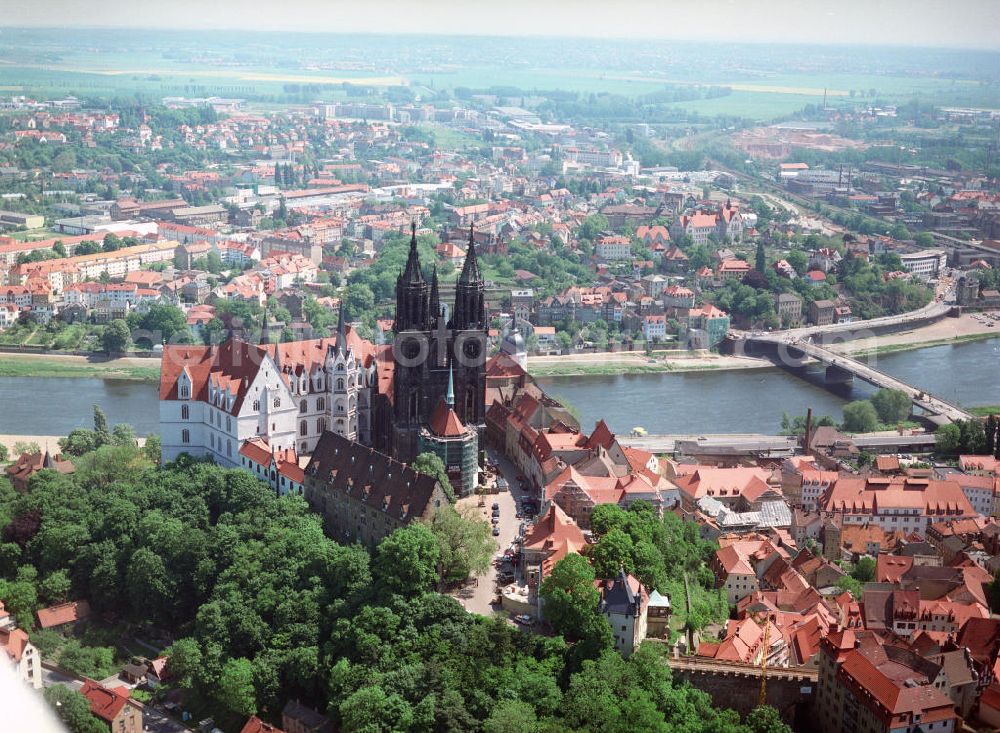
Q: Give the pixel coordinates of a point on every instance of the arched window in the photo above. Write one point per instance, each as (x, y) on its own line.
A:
(185, 412)
(184, 393)
(256, 405)
(303, 428)
(320, 403)
(320, 425)
(229, 447)
(470, 405)
(277, 402)
(211, 440)
(340, 385)
(185, 436)
(304, 405)
(413, 409)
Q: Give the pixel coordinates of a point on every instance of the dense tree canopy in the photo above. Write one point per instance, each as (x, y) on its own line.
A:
(265, 608)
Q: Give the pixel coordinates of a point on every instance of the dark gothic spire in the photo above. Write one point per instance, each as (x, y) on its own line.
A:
(340, 344)
(435, 298)
(470, 301)
(265, 336)
(411, 292)
(412, 273)
(470, 270)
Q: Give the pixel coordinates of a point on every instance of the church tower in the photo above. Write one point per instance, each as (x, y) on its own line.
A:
(430, 346)
(411, 292)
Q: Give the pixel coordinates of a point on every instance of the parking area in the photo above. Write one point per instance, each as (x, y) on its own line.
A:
(478, 597)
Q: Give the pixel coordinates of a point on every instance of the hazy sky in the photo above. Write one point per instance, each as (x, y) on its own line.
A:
(956, 23)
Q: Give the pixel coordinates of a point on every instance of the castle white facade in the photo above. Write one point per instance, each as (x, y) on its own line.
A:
(213, 398)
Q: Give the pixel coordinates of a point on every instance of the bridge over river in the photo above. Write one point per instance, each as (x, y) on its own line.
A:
(794, 353)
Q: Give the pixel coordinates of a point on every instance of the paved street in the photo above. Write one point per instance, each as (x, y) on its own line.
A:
(51, 678)
(157, 721)
(477, 599)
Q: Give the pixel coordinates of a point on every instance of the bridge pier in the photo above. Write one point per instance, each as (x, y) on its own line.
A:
(838, 375)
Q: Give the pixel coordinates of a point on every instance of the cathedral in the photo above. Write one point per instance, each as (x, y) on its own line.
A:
(436, 345)
(427, 390)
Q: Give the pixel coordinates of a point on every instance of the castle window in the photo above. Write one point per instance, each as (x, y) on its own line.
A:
(185, 412)
(185, 436)
(304, 405)
(303, 428)
(229, 424)
(320, 425)
(340, 385)
(184, 392)
(277, 402)
(413, 409)
(256, 405)
(320, 403)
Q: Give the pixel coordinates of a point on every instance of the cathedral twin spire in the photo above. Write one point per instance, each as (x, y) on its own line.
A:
(416, 309)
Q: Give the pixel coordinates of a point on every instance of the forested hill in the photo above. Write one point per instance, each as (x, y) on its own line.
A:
(261, 608)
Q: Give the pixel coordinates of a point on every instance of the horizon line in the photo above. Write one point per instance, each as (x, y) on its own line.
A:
(500, 36)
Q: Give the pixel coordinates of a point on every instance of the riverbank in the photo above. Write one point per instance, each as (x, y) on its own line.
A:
(44, 442)
(965, 329)
(637, 362)
(67, 365)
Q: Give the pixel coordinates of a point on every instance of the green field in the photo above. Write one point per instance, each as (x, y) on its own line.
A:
(276, 72)
(43, 367)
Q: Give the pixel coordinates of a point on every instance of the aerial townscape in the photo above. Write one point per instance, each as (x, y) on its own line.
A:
(433, 381)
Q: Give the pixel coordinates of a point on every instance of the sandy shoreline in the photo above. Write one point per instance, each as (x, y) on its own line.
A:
(51, 442)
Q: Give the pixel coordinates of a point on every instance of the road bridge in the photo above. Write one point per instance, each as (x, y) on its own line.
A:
(793, 352)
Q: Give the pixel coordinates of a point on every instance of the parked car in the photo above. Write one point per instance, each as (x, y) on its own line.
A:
(496, 531)
(496, 506)
(525, 619)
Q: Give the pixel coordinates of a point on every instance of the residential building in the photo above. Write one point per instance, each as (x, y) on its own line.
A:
(789, 309)
(898, 502)
(114, 707)
(707, 327)
(624, 603)
(654, 328)
(613, 247)
(19, 652)
(865, 686)
(297, 718)
(63, 614)
(699, 227)
(28, 464)
(822, 312)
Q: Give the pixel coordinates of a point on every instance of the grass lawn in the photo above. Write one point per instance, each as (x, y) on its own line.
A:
(984, 410)
(44, 367)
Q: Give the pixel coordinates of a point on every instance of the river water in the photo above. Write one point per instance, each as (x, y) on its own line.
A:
(753, 400)
(744, 401)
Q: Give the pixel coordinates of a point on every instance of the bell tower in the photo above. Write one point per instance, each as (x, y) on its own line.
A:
(411, 292)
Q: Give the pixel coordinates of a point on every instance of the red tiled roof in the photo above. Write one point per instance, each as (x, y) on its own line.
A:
(445, 423)
(64, 613)
(256, 725)
(104, 703)
(13, 642)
